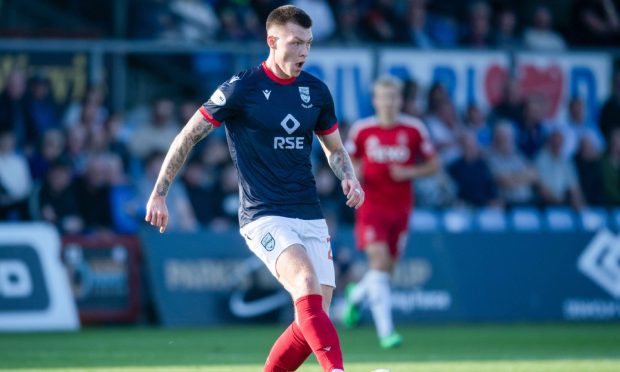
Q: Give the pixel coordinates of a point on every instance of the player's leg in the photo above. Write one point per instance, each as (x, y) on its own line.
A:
(289, 351)
(381, 264)
(373, 235)
(267, 238)
(297, 274)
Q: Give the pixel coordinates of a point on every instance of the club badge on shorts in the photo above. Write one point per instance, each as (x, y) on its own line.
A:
(268, 242)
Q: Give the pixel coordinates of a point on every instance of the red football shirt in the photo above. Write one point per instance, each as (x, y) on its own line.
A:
(405, 143)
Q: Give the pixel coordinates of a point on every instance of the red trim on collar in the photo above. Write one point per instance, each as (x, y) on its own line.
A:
(273, 76)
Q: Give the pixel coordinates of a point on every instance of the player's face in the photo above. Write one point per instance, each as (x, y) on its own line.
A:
(291, 45)
(387, 101)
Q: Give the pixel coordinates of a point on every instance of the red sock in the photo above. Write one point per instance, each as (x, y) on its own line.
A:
(319, 332)
(288, 352)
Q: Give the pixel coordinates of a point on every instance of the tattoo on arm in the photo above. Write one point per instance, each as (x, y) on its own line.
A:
(340, 163)
(195, 130)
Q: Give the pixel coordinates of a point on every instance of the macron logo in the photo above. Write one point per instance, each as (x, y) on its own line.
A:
(267, 93)
(327, 348)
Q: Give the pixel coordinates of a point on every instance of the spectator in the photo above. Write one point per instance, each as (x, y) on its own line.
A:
(478, 32)
(15, 180)
(227, 196)
(90, 111)
(383, 22)
(93, 195)
(558, 182)
(611, 169)
(328, 189)
(56, 202)
(196, 20)
(436, 191)
(445, 129)
(435, 97)
(240, 23)
(124, 209)
(474, 181)
(532, 133)
(476, 122)
(14, 111)
(157, 134)
(150, 18)
(541, 36)
(50, 148)
(77, 148)
(43, 112)
(323, 26)
(181, 215)
(510, 105)
(609, 119)
(505, 37)
(589, 165)
(411, 101)
(262, 8)
(114, 141)
(349, 19)
(200, 191)
(577, 127)
(595, 22)
(418, 34)
(513, 174)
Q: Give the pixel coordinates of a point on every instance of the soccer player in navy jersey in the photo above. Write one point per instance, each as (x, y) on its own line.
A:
(271, 113)
(391, 150)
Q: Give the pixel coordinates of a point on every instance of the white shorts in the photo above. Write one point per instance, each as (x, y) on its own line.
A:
(267, 237)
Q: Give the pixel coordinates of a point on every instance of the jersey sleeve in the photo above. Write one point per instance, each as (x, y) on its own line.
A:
(353, 144)
(327, 122)
(224, 103)
(426, 148)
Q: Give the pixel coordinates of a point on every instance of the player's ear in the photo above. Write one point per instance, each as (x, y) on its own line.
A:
(271, 41)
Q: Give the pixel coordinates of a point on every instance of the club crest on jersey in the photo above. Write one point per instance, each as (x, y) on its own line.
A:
(304, 93)
(268, 242)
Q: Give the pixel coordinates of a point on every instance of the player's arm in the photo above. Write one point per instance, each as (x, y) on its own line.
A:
(427, 168)
(341, 165)
(195, 130)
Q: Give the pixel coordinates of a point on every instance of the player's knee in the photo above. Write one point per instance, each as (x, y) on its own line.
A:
(380, 261)
(306, 282)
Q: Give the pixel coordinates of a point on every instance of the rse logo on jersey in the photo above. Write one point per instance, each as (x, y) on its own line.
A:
(290, 125)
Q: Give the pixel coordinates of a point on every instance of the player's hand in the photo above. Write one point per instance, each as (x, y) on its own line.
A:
(157, 212)
(401, 173)
(354, 192)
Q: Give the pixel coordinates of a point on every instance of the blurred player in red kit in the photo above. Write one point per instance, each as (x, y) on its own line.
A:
(389, 150)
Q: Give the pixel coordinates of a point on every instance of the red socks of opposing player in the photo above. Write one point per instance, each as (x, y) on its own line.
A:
(315, 333)
(289, 352)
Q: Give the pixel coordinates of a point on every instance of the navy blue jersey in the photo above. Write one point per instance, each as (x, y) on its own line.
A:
(270, 124)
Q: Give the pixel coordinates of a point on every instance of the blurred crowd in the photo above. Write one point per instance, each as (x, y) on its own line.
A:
(418, 23)
(85, 169)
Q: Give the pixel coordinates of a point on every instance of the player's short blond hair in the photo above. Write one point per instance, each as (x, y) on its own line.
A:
(389, 81)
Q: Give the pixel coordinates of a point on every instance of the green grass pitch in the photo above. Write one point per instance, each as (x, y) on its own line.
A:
(479, 348)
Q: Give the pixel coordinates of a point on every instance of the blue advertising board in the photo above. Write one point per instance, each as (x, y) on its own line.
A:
(211, 278)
